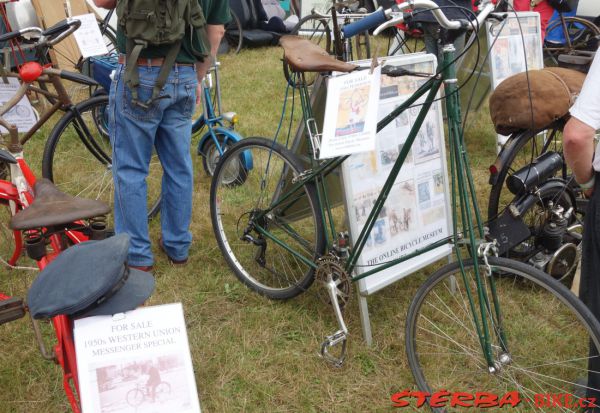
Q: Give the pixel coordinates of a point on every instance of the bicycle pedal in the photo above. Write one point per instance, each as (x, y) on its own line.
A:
(337, 338)
(11, 309)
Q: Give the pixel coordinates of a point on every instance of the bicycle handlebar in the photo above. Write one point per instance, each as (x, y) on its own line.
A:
(396, 15)
(50, 36)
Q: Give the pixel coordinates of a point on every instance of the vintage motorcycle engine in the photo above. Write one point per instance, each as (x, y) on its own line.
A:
(558, 243)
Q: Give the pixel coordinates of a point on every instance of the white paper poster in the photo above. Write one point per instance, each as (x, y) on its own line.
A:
(22, 114)
(415, 213)
(138, 362)
(350, 121)
(88, 36)
(516, 46)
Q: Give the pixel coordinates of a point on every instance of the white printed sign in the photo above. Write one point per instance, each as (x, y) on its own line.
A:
(138, 361)
(88, 36)
(22, 114)
(350, 121)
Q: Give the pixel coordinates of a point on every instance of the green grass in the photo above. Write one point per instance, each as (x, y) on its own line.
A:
(249, 353)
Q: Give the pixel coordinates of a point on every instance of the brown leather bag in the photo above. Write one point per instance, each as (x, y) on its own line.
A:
(552, 90)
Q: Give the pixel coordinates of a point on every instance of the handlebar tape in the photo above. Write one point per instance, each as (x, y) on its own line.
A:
(372, 20)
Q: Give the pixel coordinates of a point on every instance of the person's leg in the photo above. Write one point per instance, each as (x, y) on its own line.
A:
(589, 290)
(132, 139)
(173, 140)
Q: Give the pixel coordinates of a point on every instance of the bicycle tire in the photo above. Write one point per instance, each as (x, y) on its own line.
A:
(257, 261)
(234, 34)
(521, 148)
(315, 29)
(539, 302)
(211, 157)
(583, 35)
(7, 236)
(91, 174)
(162, 391)
(135, 397)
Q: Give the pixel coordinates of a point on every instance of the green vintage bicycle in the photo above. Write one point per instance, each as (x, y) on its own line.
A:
(481, 323)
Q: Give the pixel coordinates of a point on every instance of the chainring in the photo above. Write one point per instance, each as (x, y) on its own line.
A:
(331, 268)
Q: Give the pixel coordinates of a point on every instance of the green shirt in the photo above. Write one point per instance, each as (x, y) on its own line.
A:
(215, 12)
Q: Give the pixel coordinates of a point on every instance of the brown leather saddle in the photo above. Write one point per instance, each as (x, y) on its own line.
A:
(304, 56)
(52, 207)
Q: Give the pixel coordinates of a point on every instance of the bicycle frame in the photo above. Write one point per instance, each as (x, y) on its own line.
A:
(463, 198)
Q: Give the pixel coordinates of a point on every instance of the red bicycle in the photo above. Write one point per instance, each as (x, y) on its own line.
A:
(41, 221)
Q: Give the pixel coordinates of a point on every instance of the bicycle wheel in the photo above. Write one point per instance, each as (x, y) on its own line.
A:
(547, 333)
(77, 156)
(135, 397)
(359, 47)
(7, 235)
(233, 34)
(211, 156)
(73, 59)
(315, 29)
(582, 34)
(249, 217)
(163, 390)
(520, 150)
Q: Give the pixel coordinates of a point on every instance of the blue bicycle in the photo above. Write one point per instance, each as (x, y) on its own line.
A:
(216, 131)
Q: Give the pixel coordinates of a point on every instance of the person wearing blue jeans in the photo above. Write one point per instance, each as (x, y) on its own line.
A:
(134, 133)
(164, 126)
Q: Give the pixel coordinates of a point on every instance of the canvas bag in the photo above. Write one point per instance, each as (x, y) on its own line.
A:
(159, 22)
(553, 91)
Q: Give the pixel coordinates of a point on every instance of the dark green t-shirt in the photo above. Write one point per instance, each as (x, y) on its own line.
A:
(215, 11)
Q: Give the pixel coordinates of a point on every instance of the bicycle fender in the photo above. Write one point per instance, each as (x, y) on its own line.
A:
(230, 135)
(502, 157)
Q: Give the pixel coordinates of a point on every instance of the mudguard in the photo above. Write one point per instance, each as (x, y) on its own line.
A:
(230, 135)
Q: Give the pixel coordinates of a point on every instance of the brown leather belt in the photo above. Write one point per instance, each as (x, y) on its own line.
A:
(156, 61)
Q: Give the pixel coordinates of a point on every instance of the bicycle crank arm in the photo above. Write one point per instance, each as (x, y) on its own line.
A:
(340, 336)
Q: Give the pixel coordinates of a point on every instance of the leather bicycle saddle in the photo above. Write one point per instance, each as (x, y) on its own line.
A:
(53, 207)
(304, 56)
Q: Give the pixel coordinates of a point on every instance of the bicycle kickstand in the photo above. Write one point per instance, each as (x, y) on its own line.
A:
(340, 337)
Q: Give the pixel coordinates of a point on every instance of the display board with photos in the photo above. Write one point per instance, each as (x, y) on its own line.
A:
(515, 46)
(416, 213)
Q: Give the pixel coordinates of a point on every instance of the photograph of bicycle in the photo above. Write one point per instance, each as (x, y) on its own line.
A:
(130, 193)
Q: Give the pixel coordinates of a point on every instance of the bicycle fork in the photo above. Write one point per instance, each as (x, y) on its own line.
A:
(486, 315)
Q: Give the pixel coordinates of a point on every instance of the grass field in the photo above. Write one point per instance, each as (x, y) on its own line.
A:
(249, 353)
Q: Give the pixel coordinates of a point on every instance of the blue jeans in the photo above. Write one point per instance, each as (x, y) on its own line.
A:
(135, 132)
